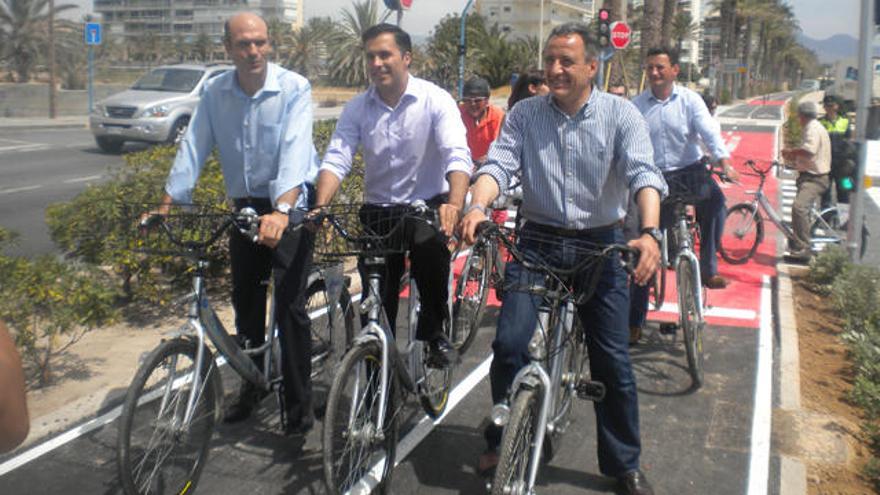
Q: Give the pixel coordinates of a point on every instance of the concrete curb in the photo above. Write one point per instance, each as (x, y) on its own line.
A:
(792, 472)
(35, 123)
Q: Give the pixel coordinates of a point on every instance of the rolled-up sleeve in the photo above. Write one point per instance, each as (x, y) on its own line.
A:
(503, 161)
(635, 153)
(707, 127)
(196, 145)
(297, 163)
(450, 134)
(345, 140)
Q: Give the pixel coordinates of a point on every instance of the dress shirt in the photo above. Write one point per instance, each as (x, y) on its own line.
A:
(678, 124)
(408, 150)
(481, 134)
(577, 171)
(264, 140)
(816, 142)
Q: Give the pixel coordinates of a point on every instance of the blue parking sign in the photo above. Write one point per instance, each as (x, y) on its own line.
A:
(93, 33)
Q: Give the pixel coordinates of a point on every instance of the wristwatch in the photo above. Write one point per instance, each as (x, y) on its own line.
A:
(654, 232)
(283, 208)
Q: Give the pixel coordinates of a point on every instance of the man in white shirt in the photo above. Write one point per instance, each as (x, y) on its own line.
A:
(415, 148)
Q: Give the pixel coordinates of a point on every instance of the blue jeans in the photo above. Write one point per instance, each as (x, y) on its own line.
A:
(605, 316)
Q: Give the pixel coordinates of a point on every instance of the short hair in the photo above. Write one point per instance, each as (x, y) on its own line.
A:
(808, 109)
(227, 35)
(400, 36)
(591, 48)
(671, 53)
(710, 101)
(476, 86)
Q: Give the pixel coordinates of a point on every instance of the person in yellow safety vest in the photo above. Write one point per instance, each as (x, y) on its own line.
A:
(842, 165)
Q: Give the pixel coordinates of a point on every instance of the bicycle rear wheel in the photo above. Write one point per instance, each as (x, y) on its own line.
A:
(471, 292)
(517, 444)
(690, 319)
(156, 451)
(743, 232)
(357, 450)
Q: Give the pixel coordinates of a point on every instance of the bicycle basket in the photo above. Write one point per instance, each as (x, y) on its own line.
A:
(185, 230)
(689, 185)
(364, 229)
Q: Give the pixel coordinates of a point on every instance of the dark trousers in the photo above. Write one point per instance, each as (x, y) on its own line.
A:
(429, 265)
(290, 263)
(605, 317)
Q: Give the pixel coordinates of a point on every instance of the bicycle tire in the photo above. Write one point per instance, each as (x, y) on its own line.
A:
(132, 458)
(514, 461)
(742, 234)
(471, 293)
(832, 218)
(330, 337)
(344, 466)
(690, 320)
(435, 383)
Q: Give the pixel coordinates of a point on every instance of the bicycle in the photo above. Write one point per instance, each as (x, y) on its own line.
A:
(744, 226)
(361, 424)
(175, 397)
(535, 415)
(685, 189)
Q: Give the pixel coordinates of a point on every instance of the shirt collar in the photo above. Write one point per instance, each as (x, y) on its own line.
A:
(413, 90)
(270, 85)
(676, 91)
(581, 111)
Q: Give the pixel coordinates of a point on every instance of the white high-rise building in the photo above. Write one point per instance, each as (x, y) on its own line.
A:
(522, 18)
(189, 18)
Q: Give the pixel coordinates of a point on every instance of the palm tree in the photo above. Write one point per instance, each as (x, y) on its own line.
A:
(652, 16)
(669, 11)
(203, 48)
(349, 66)
(307, 47)
(23, 28)
(496, 57)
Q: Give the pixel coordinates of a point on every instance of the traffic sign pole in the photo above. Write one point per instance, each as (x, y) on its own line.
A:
(92, 37)
(91, 78)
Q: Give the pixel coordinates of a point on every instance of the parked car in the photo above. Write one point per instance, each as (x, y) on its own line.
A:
(156, 109)
(809, 85)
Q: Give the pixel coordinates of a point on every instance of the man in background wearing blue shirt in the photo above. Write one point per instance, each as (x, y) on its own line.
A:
(580, 153)
(260, 119)
(679, 121)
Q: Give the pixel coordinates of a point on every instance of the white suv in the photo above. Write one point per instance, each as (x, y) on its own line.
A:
(156, 109)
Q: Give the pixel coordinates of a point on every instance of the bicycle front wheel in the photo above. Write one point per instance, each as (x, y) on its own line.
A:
(518, 444)
(690, 319)
(471, 292)
(158, 451)
(358, 451)
(743, 232)
(332, 326)
(435, 382)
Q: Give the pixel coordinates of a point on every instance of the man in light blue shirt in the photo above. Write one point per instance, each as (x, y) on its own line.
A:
(580, 153)
(415, 148)
(679, 122)
(260, 119)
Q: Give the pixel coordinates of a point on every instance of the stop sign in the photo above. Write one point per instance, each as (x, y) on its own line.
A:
(620, 35)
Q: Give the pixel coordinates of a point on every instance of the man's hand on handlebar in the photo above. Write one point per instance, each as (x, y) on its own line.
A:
(730, 173)
(272, 227)
(469, 223)
(649, 258)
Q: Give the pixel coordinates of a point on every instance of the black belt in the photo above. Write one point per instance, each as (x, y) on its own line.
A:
(562, 232)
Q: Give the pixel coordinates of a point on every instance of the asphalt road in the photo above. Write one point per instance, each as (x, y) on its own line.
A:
(39, 167)
(707, 431)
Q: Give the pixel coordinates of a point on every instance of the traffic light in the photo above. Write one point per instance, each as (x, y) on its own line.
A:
(604, 28)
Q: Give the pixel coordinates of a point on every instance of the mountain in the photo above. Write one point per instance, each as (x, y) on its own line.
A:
(834, 48)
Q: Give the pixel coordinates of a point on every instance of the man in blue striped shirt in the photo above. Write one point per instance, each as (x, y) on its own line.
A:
(580, 152)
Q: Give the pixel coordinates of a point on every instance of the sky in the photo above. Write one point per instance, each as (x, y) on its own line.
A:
(814, 16)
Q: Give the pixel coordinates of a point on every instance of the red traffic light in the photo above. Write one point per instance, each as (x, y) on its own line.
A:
(604, 14)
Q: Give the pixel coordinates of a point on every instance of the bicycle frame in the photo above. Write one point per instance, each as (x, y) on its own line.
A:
(686, 252)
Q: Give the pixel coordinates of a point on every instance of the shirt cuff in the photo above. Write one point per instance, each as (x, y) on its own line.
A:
(496, 173)
(650, 180)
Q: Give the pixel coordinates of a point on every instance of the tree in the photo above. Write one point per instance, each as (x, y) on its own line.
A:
(306, 48)
(72, 58)
(203, 48)
(23, 28)
(669, 11)
(349, 66)
(683, 29)
(652, 16)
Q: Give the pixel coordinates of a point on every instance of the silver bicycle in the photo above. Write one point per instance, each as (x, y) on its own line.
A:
(175, 397)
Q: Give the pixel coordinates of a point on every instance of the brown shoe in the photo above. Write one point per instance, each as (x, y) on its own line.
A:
(716, 282)
(635, 333)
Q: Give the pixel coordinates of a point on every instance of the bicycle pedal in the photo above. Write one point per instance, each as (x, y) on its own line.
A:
(590, 390)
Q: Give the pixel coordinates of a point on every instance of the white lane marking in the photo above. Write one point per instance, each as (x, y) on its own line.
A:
(19, 189)
(91, 425)
(759, 463)
(412, 439)
(24, 147)
(83, 179)
(734, 313)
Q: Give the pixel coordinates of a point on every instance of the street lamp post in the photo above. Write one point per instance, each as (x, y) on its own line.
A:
(541, 37)
(866, 77)
(462, 47)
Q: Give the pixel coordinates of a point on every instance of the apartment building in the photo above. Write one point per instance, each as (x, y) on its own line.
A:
(522, 18)
(189, 18)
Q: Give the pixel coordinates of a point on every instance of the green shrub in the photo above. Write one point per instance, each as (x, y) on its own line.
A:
(856, 296)
(826, 266)
(792, 128)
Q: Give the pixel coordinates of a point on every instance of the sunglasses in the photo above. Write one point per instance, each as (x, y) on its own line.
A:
(475, 99)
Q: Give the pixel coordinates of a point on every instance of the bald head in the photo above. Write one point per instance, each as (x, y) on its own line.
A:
(243, 21)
